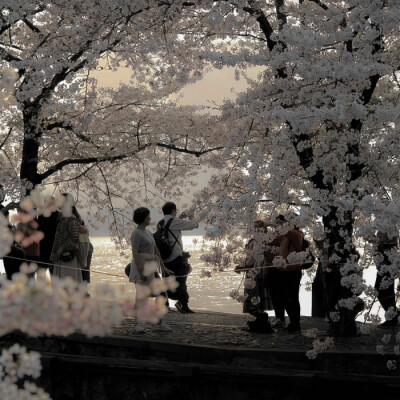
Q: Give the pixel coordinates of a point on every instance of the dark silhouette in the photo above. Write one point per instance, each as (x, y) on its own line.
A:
(384, 283)
(284, 284)
(47, 225)
(177, 262)
(13, 260)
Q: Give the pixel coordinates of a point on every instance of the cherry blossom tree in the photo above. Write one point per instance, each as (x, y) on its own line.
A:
(317, 132)
(58, 127)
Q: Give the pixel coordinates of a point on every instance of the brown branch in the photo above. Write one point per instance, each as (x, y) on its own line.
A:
(322, 5)
(30, 25)
(255, 11)
(88, 160)
(6, 138)
(197, 153)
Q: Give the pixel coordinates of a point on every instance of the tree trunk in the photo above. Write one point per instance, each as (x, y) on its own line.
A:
(30, 149)
(339, 235)
(342, 321)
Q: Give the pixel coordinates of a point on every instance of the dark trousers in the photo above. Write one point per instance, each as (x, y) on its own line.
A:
(284, 287)
(319, 306)
(86, 271)
(385, 296)
(13, 260)
(181, 294)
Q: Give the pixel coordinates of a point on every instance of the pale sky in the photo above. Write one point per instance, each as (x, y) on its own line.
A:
(215, 86)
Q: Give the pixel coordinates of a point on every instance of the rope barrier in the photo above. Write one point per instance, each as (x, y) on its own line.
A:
(124, 276)
(176, 276)
(65, 266)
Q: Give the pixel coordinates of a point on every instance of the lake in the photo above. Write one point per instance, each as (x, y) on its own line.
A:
(210, 294)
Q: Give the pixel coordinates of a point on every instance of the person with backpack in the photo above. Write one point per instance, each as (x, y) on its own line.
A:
(177, 260)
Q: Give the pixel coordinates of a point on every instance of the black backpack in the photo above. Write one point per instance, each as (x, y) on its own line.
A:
(310, 256)
(161, 238)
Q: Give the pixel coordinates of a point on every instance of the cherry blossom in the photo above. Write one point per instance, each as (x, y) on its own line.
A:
(319, 347)
(17, 364)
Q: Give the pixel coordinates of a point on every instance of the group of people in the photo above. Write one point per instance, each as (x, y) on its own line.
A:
(144, 249)
(65, 249)
(274, 287)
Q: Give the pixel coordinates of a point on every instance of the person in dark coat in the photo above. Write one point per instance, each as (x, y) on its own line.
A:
(47, 225)
(13, 260)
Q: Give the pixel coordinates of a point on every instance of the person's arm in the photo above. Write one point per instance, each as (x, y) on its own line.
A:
(74, 232)
(250, 260)
(139, 264)
(135, 244)
(296, 239)
(277, 240)
(164, 269)
(183, 225)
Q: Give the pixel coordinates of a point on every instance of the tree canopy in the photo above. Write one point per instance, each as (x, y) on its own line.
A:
(316, 132)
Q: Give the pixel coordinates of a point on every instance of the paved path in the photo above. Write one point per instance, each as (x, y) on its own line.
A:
(229, 330)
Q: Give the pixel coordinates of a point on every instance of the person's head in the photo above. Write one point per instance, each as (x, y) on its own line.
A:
(259, 225)
(69, 199)
(141, 215)
(280, 219)
(69, 206)
(169, 208)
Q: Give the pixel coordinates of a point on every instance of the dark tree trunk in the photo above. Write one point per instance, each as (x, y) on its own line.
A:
(343, 248)
(339, 236)
(30, 150)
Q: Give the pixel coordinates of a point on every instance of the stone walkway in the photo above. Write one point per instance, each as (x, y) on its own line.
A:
(229, 330)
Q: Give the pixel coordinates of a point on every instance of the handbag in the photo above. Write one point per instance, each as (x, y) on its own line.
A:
(185, 267)
(67, 256)
(128, 269)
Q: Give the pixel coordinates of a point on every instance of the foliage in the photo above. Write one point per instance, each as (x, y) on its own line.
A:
(17, 364)
(317, 131)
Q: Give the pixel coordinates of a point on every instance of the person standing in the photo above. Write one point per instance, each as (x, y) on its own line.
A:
(66, 253)
(256, 292)
(284, 283)
(144, 249)
(47, 225)
(13, 260)
(176, 262)
(385, 277)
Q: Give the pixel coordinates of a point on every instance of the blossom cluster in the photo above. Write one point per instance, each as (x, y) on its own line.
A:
(16, 365)
(234, 294)
(319, 346)
(56, 307)
(6, 237)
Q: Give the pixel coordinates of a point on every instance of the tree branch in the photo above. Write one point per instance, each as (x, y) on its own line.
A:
(256, 11)
(88, 160)
(6, 138)
(198, 153)
(30, 25)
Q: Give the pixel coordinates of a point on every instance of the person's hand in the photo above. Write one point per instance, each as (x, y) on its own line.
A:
(186, 215)
(168, 271)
